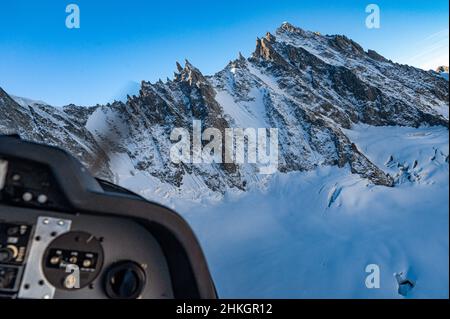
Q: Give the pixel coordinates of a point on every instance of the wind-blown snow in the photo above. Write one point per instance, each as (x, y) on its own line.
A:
(24, 102)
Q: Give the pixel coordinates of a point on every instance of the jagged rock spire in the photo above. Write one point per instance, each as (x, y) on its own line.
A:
(265, 50)
(188, 64)
(270, 37)
(188, 73)
(179, 67)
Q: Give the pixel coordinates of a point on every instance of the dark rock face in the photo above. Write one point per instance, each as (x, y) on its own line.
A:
(311, 87)
(52, 126)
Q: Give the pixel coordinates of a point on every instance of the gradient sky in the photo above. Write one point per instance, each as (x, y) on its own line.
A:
(123, 42)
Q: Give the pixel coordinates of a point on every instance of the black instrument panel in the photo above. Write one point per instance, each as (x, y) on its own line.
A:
(65, 234)
(121, 240)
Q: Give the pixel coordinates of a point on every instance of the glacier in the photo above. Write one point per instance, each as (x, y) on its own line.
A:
(290, 241)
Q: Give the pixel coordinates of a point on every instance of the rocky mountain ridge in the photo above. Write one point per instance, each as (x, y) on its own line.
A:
(310, 86)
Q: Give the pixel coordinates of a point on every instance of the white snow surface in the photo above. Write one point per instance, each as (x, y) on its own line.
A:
(312, 234)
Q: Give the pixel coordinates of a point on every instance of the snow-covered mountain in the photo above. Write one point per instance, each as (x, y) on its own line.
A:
(309, 86)
(363, 165)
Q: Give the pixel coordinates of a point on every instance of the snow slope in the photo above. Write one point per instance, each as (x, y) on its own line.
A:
(311, 235)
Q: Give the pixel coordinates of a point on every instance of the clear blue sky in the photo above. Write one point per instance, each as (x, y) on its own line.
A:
(120, 42)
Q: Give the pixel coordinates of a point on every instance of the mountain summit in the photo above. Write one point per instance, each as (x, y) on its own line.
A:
(311, 87)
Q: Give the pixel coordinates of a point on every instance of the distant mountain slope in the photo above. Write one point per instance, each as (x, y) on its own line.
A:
(311, 87)
(50, 125)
